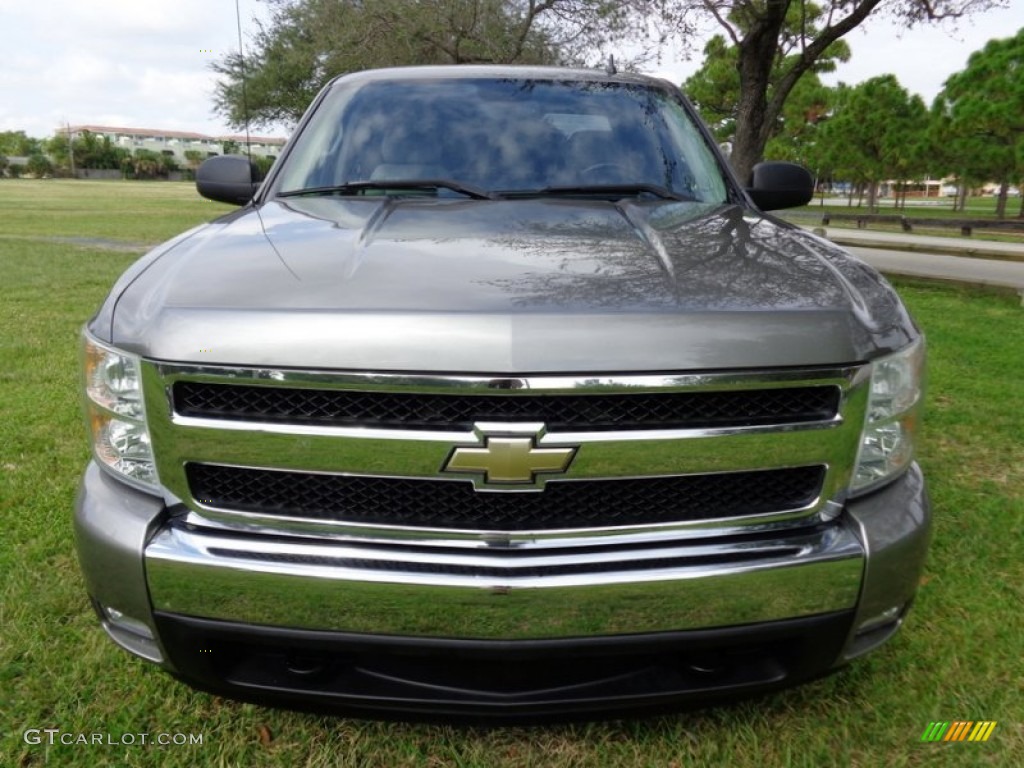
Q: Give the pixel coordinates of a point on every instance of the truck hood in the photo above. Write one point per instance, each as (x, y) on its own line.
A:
(503, 286)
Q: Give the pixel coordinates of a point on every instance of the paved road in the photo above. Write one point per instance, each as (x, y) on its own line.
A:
(974, 271)
(923, 243)
(935, 257)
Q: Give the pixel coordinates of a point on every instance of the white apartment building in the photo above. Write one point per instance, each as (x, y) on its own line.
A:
(176, 143)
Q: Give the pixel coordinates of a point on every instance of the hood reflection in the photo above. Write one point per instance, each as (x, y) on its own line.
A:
(567, 254)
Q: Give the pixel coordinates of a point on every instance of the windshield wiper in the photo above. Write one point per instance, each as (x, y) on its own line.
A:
(358, 187)
(607, 190)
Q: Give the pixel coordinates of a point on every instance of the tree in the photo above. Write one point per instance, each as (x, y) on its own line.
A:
(805, 112)
(757, 28)
(57, 147)
(308, 42)
(715, 88)
(92, 151)
(194, 158)
(89, 150)
(949, 154)
(147, 164)
(39, 166)
(878, 132)
(984, 107)
(264, 164)
(17, 144)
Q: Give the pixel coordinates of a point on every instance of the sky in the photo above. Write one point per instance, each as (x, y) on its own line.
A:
(145, 63)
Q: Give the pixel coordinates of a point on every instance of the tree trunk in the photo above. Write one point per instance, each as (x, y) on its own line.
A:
(1020, 213)
(756, 113)
(754, 124)
(1004, 191)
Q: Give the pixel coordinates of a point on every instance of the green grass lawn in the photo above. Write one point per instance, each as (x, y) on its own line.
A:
(122, 211)
(960, 655)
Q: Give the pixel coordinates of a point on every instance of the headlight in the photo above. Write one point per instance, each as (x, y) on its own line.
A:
(890, 426)
(115, 414)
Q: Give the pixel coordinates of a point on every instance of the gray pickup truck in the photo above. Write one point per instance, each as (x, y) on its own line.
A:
(500, 397)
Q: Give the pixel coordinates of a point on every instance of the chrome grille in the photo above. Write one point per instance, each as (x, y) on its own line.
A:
(454, 504)
(363, 455)
(416, 410)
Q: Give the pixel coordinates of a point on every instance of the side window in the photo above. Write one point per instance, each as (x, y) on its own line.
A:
(697, 172)
(316, 164)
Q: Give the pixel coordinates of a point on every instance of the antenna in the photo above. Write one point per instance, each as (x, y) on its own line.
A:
(241, 62)
(611, 69)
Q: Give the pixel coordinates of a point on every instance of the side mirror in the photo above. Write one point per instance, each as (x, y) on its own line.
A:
(780, 185)
(228, 179)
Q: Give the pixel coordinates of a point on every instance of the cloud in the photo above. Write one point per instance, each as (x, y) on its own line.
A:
(144, 64)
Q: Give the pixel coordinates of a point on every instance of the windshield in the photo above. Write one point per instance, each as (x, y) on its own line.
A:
(504, 137)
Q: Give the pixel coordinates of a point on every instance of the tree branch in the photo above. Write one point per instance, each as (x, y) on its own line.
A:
(533, 9)
(713, 9)
(814, 51)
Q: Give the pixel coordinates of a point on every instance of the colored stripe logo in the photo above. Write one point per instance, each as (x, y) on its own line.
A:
(959, 730)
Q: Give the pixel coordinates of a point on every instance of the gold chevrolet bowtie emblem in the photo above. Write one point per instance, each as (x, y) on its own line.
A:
(510, 460)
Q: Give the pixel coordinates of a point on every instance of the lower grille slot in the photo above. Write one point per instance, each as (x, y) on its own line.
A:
(510, 569)
(454, 504)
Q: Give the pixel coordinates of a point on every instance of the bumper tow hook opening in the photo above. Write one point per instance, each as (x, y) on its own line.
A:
(708, 665)
(304, 665)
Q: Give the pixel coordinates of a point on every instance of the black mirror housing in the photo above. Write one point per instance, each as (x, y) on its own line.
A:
(228, 179)
(780, 185)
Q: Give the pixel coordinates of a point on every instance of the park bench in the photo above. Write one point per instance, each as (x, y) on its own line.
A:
(863, 219)
(907, 224)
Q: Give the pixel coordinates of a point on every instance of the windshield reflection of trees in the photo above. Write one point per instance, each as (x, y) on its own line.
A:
(508, 134)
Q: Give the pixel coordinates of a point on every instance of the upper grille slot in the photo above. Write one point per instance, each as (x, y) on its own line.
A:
(412, 410)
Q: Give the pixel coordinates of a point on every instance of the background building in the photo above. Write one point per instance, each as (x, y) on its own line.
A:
(176, 143)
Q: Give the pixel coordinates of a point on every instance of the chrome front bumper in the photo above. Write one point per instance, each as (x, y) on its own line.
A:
(858, 573)
(503, 594)
(136, 563)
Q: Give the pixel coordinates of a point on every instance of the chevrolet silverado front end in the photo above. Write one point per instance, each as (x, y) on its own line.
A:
(510, 404)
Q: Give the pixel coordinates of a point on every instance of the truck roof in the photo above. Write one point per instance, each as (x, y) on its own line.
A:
(487, 71)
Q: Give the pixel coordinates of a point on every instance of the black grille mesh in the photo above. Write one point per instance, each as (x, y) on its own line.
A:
(410, 410)
(455, 504)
